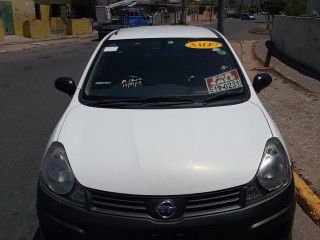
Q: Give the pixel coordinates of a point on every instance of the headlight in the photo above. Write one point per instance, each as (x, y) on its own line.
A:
(275, 168)
(56, 171)
(274, 172)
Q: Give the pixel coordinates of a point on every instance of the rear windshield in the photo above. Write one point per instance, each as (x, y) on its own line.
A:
(145, 68)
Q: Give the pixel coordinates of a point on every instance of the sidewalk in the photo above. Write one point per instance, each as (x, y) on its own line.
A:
(15, 43)
(288, 69)
(311, 82)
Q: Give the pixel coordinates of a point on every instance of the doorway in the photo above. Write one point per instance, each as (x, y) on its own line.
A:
(7, 17)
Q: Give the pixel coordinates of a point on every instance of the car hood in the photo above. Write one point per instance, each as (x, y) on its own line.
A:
(165, 151)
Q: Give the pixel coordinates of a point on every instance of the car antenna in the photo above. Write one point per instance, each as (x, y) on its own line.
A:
(116, 33)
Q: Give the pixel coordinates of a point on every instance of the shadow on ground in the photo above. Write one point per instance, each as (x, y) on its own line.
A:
(291, 63)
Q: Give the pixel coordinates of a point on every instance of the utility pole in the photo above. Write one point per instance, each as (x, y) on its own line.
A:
(240, 8)
(221, 16)
(183, 12)
(211, 10)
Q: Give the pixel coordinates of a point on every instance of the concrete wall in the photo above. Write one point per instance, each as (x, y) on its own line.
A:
(23, 10)
(58, 25)
(299, 39)
(44, 12)
(79, 26)
(313, 7)
(36, 29)
(1, 31)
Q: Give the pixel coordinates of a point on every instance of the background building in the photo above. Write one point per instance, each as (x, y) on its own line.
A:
(54, 11)
(14, 13)
(45, 9)
(40, 19)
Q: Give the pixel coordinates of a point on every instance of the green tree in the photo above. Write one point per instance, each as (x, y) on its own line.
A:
(232, 3)
(209, 3)
(274, 7)
(240, 7)
(189, 4)
(296, 7)
(253, 10)
(289, 7)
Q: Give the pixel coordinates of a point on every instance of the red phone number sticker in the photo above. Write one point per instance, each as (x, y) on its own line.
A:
(223, 82)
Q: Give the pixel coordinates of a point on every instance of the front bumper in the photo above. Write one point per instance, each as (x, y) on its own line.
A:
(268, 219)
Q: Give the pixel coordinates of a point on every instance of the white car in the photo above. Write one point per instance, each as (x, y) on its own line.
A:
(165, 138)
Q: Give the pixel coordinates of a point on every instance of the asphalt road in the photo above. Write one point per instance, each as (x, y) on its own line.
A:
(236, 29)
(30, 107)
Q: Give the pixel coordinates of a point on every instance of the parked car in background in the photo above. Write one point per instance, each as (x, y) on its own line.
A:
(108, 19)
(165, 138)
(247, 16)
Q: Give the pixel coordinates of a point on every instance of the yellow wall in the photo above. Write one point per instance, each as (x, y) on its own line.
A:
(22, 10)
(58, 25)
(37, 29)
(1, 31)
(44, 12)
(79, 26)
(25, 23)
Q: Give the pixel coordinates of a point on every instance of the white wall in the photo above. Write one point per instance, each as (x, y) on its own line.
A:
(299, 39)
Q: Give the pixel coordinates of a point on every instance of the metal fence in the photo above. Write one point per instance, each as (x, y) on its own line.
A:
(58, 26)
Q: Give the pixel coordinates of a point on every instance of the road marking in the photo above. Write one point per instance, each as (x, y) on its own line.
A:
(308, 201)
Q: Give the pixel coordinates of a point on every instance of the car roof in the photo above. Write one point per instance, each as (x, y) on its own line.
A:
(164, 32)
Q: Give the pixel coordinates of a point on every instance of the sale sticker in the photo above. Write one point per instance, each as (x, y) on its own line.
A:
(203, 44)
(223, 82)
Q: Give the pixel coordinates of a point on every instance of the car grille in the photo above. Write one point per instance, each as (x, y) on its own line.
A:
(215, 202)
(139, 206)
(120, 204)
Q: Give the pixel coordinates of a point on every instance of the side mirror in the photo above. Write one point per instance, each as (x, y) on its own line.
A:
(261, 81)
(65, 85)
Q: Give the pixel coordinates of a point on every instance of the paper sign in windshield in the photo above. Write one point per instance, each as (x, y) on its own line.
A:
(223, 82)
(110, 49)
(131, 81)
(203, 44)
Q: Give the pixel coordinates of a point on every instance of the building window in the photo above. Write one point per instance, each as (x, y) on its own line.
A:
(55, 10)
(37, 10)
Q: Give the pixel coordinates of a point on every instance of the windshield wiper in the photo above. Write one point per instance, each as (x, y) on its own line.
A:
(169, 99)
(166, 101)
(220, 96)
(115, 101)
(134, 101)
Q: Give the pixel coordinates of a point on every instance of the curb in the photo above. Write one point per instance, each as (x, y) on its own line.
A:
(30, 41)
(293, 75)
(308, 201)
(29, 44)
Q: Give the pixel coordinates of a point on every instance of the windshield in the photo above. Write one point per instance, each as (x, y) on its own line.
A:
(191, 69)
